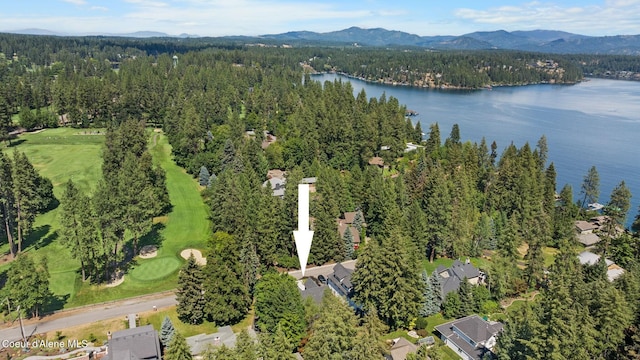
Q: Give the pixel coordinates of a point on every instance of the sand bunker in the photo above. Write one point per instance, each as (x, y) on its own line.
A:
(196, 253)
(148, 251)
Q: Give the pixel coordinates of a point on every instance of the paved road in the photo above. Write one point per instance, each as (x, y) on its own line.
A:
(324, 270)
(63, 320)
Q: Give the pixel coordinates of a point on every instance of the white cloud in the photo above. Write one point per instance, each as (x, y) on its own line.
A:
(99, 8)
(76, 2)
(611, 18)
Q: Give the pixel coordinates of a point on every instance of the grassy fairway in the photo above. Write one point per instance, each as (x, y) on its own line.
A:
(63, 154)
(186, 226)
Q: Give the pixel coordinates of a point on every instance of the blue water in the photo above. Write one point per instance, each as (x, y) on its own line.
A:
(592, 123)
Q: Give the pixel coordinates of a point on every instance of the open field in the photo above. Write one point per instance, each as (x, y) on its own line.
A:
(65, 153)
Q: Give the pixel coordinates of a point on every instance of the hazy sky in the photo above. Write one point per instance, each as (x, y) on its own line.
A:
(255, 17)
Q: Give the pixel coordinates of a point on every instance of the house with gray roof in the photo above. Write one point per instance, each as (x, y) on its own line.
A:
(138, 343)
(312, 289)
(470, 337)
(277, 185)
(450, 278)
(613, 270)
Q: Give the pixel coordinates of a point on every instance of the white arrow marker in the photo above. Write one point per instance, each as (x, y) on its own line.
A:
(303, 236)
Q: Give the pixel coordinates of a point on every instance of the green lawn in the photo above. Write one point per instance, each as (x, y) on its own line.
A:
(186, 226)
(65, 153)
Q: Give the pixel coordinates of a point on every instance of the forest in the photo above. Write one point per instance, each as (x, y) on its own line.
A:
(451, 199)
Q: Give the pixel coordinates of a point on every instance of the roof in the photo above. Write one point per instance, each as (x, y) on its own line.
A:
(401, 348)
(276, 183)
(342, 227)
(275, 173)
(582, 226)
(588, 239)
(349, 217)
(140, 343)
(588, 258)
(200, 343)
(376, 161)
(456, 273)
(313, 290)
(340, 280)
(472, 327)
(614, 271)
(309, 180)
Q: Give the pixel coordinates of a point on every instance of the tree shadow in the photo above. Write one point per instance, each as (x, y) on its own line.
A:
(15, 142)
(39, 237)
(56, 302)
(153, 237)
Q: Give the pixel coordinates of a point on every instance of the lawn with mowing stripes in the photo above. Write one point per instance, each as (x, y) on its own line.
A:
(186, 226)
(65, 153)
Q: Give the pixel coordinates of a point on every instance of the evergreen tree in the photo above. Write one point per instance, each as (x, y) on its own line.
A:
(619, 203)
(28, 285)
(25, 183)
(590, 187)
(177, 348)
(358, 220)
(7, 202)
(78, 230)
(167, 331)
(452, 306)
(432, 294)
(190, 293)
(204, 176)
(246, 348)
(332, 334)
(276, 345)
(348, 242)
(226, 295)
(394, 287)
(279, 303)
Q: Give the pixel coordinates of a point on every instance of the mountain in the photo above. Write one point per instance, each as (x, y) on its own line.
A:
(36, 32)
(534, 40)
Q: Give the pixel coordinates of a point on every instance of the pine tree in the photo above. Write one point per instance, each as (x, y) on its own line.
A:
(7, 202)
(190, 293)
(348, 242)
(78, 230)
(246, 348)
(279, 303)
(227, 297)
(25, 183)
(432, 299)
(394, 286)
(590, 187)
(276, 345)
(333, 333)
(28, 285)
(177, 348)
(167, 331)
(204, 176)
(358, 220)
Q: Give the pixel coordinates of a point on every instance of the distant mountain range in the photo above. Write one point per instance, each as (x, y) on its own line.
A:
(137, 34)
(547, 41)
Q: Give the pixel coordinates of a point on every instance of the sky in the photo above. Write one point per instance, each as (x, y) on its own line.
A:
(258, 17)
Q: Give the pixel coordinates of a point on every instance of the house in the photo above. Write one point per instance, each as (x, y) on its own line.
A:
(268, 139)
(312, 183)
(450, 278)
(346, 222)
(470, 337)
(277, 185)
(377, 161)
(139, 343)
(585, 227)
(200, 343)
(312, 288)
(613, 270)
(401, 349)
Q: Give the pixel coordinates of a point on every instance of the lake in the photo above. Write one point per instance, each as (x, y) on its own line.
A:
(596, 122)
